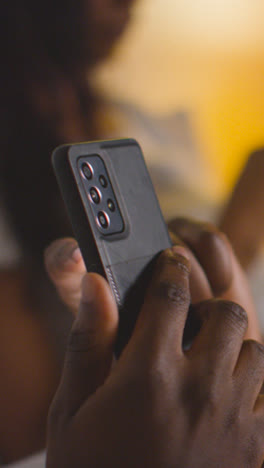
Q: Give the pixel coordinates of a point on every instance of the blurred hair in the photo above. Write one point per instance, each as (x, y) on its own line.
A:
(41, 43)
(51, 28)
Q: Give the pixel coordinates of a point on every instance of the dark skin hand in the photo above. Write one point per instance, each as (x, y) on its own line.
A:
(215, 271)
(159, 406)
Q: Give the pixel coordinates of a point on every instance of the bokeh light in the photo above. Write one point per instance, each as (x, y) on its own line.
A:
(204, 56)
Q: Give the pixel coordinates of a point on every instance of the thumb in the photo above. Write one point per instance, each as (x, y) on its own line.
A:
(89, 353)
(66, 269)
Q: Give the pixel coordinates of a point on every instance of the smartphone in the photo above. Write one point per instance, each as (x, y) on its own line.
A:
(115, 216)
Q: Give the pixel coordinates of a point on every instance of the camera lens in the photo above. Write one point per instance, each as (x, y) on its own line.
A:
(103, 219)
(95, 195)
(111, 205)
(87, 170)
(103, 181)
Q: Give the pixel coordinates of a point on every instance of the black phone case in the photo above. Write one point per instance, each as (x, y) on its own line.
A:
(125, 259)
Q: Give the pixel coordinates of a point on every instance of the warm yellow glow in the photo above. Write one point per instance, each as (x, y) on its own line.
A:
(206, 56)
(222, 23)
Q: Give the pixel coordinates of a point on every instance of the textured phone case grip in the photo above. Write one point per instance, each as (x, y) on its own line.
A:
(129, 281)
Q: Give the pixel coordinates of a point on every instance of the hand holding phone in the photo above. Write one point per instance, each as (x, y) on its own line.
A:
(160, 407)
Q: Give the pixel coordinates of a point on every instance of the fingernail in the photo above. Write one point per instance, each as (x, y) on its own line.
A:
(68, 253)
(76, 255)
(179, 256)
(180, 250)
(176, 256)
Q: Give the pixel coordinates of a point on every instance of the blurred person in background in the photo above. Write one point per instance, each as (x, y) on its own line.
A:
(47, 48)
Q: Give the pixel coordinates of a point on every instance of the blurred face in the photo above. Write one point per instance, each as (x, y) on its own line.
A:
(104, 22)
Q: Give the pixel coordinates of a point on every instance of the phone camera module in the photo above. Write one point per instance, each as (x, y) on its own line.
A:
(95, 195)
(87, 170)
(103, 181)
(103, 219)
(111, 205)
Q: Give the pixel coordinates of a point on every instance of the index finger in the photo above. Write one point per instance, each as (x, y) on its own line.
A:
(199, 285)
(210, 247)
(162, 319)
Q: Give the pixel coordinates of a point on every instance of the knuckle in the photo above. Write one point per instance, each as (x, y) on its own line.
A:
(81, 340)
(155, 376)
(211, 239)
(158, 378)
(209, 235)
(215, 253)
(233, 314)
(176, 225)
(254, 349)
(210, 399)
(205, 398)
(172, 293)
